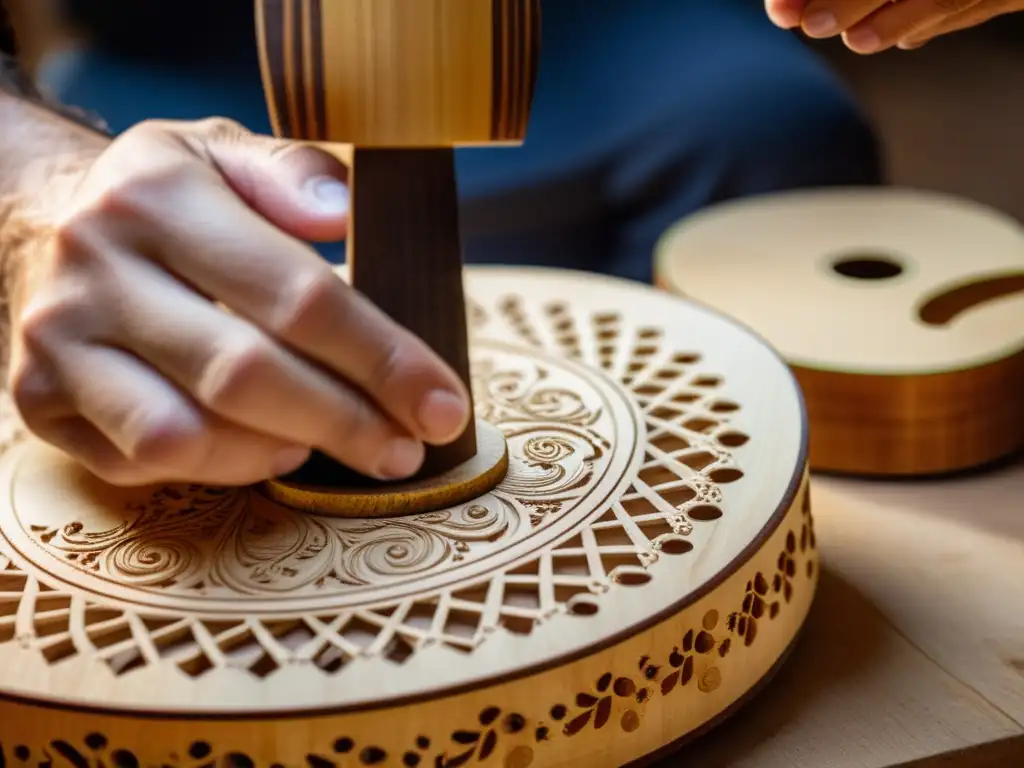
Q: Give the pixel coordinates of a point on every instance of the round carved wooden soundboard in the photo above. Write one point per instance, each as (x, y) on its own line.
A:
(644, 566)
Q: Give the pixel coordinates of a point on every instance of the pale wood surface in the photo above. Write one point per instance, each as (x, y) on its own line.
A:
(913, 654)
(908, 335)
(388, 73)
(658, 478)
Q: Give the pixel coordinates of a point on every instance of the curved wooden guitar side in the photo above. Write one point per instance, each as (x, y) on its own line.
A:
(901, 314)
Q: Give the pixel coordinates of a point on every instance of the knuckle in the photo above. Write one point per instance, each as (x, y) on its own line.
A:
(392, 360)
(116, 471)
(386, 364)
(221, 128)
(31, 389)
(167, 438)
(145, 130)
(52, 314)
(232, 369)
(76, 242)
(355, 431)
(310, 298)
(145, 193)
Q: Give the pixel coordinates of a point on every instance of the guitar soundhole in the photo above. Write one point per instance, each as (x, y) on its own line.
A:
(867, 267)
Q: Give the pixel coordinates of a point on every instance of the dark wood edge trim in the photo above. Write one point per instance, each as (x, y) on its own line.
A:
(300, 51)
(517, 39)
(499, 97)
(270, 42)
(516, 58)
(534, 32)
(316, 53)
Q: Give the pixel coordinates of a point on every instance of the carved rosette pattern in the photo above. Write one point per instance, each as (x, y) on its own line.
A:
(617, 702)
(202, 543)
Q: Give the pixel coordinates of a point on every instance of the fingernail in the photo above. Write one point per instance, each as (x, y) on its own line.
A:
(820, 24)
(442, 415)
(784, 17)
(864, 40)
(907, 45)
(327, 195)
(402, 458)
(289, 460)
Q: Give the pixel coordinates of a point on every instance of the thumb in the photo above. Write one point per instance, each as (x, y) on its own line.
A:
(297, 187)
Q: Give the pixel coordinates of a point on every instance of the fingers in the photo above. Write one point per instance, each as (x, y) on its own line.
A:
(785, 13)
(828, 18)
(895, 21)
(128, 426)
(977, 13)
(179, 328)
(283, 287)
(871, 26)
(299, 188)
(234, 371)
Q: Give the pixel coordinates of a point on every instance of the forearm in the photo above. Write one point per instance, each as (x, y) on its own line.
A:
(42, 156)
(37, 145)
(42, 151)
(36, 139)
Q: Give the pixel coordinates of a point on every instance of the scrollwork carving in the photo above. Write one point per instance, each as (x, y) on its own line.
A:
(630, 449)
(248, 546)
(518, 395)
(208, 542)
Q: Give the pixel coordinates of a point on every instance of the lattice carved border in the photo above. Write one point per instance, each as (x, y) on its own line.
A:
(689, 457)
(712, 643)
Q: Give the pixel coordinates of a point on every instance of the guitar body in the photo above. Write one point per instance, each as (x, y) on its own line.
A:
(901, 314)
(643, 568)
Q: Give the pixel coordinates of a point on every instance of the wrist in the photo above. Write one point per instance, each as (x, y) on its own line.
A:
(42, 153)
(45, 185)
(29, 212)
(15, 238)
(21, 232)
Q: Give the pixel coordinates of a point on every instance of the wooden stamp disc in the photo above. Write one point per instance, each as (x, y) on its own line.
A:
(900, 312)
(465, 482)
(643, 567)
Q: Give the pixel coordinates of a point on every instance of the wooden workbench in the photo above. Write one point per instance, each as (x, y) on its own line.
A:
(913, 654)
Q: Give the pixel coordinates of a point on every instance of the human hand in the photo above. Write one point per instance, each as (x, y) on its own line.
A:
(170, 324)
(871, 26)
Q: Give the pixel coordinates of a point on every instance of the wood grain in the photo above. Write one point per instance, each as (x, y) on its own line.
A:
(900, 312)
(405, 256)
(394, 73)
(402, 82)
(360, 498)
(909, 654)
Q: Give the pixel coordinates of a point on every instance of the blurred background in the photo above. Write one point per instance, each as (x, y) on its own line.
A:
(951, 114)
